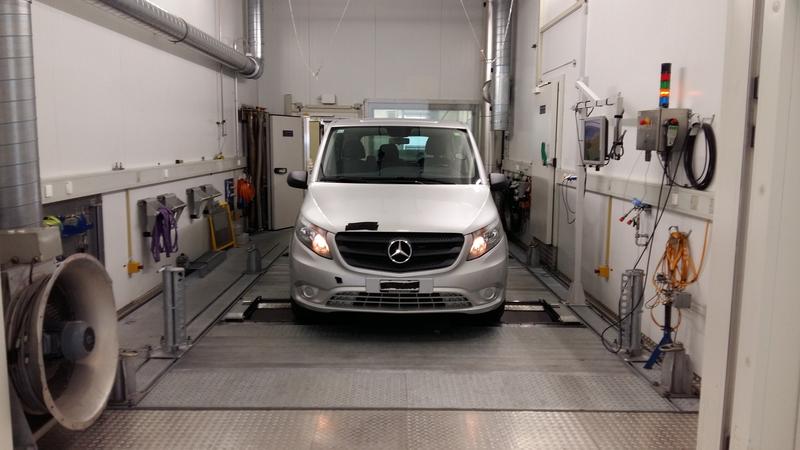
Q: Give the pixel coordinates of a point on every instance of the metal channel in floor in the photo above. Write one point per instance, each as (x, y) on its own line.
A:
(371, 384)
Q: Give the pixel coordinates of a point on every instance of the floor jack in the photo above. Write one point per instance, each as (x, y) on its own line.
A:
(676, 370)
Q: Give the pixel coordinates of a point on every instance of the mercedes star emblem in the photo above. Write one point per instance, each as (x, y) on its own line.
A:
(399, 251)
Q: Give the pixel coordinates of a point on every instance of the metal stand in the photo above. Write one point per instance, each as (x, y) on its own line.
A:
(174, 341)
(631, 308)
(665, 339)
(125, 390)
(253, 260)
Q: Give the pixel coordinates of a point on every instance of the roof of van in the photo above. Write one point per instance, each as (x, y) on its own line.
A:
(396, 123)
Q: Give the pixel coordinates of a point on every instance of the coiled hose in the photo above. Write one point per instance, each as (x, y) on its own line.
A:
(703, 181)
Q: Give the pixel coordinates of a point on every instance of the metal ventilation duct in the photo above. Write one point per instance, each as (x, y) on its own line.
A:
(486, 133)
(20, 200)
(503, 60)
(180, 31)
(255, 40)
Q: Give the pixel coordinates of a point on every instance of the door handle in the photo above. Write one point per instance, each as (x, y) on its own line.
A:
(280, 170)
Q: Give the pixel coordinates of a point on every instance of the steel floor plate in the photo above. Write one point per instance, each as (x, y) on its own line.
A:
(252, 365)
(407, 429)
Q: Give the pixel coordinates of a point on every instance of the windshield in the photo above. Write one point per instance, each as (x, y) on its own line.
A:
(376, 154)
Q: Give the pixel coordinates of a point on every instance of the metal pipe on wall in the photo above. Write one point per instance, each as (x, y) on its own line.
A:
(255, 38)
(486, 134)
(503, 64)
(20, 199)
(180, 31)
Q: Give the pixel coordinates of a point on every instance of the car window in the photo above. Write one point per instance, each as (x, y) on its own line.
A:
(399, 154)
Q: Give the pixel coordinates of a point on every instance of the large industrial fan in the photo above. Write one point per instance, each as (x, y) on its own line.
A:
(61, 334)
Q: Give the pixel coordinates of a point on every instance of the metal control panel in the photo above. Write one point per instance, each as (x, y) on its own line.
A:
(653, 134)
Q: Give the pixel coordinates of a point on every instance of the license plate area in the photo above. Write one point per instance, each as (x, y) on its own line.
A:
(387, 285)
(399, 285)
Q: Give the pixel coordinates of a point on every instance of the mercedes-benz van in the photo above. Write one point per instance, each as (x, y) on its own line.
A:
(398, 218)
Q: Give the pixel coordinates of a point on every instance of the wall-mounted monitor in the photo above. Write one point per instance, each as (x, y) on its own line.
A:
(595, 141)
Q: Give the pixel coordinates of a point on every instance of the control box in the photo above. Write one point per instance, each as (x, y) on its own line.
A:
(653, 133)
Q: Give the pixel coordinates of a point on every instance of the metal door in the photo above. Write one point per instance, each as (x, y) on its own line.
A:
(543, 171)
(286, 155)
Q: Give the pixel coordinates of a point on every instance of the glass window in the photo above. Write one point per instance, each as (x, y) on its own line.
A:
(437, 110)
(399, 154)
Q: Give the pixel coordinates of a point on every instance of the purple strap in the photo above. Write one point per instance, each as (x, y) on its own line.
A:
(162, 238)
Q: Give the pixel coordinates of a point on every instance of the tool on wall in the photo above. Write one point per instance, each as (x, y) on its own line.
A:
(634, 218)
(220, 221)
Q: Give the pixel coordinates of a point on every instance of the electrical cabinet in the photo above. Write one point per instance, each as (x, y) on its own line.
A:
(651, 132)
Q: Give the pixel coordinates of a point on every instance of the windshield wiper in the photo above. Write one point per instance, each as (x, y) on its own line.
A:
(343, 179)
(415, 180)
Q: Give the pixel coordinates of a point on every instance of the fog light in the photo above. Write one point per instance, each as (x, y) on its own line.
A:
(308, 292)
(488, 293)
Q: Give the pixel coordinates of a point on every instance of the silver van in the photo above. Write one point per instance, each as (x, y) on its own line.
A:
(398, 219)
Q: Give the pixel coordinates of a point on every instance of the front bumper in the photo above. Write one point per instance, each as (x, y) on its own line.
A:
(329, 278)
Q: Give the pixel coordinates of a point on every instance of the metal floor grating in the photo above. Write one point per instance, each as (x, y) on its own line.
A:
(298, 388)
(253, 365)
(311, 429)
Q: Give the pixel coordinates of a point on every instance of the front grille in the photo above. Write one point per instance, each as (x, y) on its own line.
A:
(371, 250)
(399, 301)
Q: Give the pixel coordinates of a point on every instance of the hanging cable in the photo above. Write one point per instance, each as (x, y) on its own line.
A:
(564, 198)
(306, 62)
(701, 182)
(475, 34)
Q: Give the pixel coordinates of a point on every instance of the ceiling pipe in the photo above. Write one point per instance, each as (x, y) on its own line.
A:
(503, 64)
(20, 199)
(180, 31)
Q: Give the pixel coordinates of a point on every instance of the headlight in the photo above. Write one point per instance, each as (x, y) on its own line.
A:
(314, 238)
(484, 240)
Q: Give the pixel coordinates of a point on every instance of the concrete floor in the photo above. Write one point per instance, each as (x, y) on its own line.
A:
(394, 385)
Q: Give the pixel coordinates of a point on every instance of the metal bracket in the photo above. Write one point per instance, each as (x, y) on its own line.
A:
(198, 198)
(149, 209)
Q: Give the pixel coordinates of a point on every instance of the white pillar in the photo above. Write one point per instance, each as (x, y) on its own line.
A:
(766, 391)
(726, 253)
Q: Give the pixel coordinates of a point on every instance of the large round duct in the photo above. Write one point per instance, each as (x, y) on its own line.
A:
(62, 342)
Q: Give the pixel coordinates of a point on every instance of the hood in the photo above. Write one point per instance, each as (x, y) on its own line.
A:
(401, 207)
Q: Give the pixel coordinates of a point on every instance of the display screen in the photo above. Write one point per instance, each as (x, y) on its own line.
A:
(595, 142)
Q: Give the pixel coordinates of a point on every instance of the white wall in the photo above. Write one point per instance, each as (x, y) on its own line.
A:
(103, 97)
(402, 49)
(193, 237)
(620, 46)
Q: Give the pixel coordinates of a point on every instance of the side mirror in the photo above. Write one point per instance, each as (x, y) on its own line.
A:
(298, 179)
(498, 181)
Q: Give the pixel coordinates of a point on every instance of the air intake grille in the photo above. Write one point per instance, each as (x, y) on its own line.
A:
(400, 301)
(428, 250)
